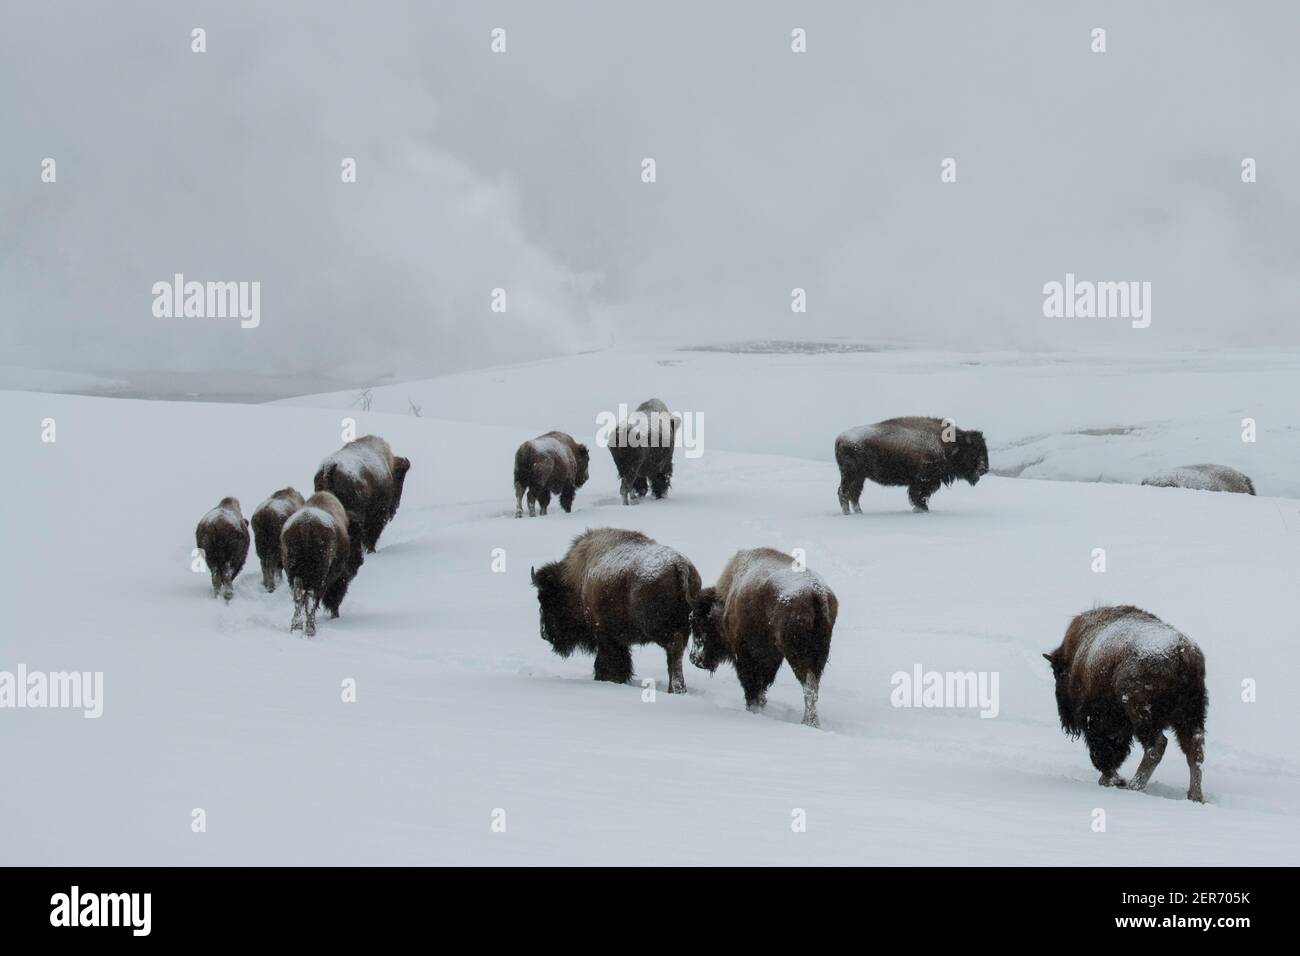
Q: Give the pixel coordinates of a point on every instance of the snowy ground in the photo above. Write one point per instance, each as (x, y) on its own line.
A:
(462, 709)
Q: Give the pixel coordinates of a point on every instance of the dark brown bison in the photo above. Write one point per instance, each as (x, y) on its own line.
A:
(763, 611)
(268, 522)
(921, 453)
(549, 464)
(1123, 673)
(222, 536)
(367, 478)
(614, 589)
(1204, 478)
(320, 557)
(642, 448)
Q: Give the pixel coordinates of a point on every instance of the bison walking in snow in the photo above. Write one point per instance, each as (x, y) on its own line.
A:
(763, 611)
(614, 589)
(1123, 673)
(921, 453)
(268, 521)
(549, 464)
(321, 556)
(642, 448)
(1204, 478)
(367, 478)
(222, 536)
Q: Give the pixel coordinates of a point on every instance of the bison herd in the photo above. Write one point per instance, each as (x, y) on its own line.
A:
(318, 544)
(1120, 672)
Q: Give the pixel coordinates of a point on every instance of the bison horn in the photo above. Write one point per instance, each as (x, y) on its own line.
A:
(1048, 658)
(532, 575)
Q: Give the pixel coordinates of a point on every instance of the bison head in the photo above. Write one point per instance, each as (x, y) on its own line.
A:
(583, 460)
(972, 459)
(1064, 703)
(708, 649)
(400, 467)
(562, 623)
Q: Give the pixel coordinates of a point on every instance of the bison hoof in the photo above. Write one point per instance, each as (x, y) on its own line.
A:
(812, 722)
(1195, 795)
(519, 512)
(676, 688)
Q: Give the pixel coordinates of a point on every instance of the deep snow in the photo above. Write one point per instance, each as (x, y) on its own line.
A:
(463, 710)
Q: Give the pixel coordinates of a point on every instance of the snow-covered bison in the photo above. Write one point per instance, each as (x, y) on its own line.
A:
(763, 611)
(367, 478)
(921, 453)
(1204, 478)
(1123, 673)
(614, 589)
(268, 521)
(222, 536)
(642, 448)
(549, 464)
(320, 556)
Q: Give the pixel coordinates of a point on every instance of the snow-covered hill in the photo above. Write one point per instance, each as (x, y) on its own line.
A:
(462, 710)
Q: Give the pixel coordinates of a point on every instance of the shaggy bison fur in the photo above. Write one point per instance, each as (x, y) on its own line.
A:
(642, 449)
(367, 478)
(1204, 478)
(320, 558)
(1123, 673)
(763, 611)
(549, 464)
(614, 589)
(921, 453)
(222, 536)
(268, 522)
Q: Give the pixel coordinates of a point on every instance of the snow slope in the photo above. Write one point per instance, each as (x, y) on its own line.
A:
(1115, 417)
(463, 710)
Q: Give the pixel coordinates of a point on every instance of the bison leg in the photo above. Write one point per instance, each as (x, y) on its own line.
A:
(566, 497)
(1109, 740)
(850, 492)
(519, 500)
(676, 650)
(216, 583)
(757, 672)
(613, 662)
(640, 486)
(1153, 748)
(919, 492)
(1192, 741)
(227, 584)
(299, 605)
(659, 483)
(810, 677)
(313, 603)
(543, 499)
(532, 504)
(374, 521)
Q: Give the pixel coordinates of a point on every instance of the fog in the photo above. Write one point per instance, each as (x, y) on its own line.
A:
(522, 171)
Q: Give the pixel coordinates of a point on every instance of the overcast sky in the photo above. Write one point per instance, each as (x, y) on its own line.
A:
(522, 170)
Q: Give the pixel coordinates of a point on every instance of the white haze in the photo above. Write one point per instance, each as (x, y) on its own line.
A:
(521, 171)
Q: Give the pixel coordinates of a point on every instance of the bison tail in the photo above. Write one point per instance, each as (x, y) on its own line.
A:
(807, 636)
(523, 465)
(1250, 487)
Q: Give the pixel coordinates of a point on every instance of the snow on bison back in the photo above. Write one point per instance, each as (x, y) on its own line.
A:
(1203, 478)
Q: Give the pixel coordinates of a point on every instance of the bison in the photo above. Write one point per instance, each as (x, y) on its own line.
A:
(921, 453)
(614, 589)
(642, 449)
(222, 536)
(367, 478)
(763, 611)
(1123, 673)
(321, 555)
(268, 522)
(549, 464)
(1204, 478)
